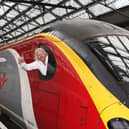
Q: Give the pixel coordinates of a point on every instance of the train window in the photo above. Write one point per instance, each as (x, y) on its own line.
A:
(51, 64)
(113, 52)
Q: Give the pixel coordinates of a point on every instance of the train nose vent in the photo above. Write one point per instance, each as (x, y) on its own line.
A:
(118, 123)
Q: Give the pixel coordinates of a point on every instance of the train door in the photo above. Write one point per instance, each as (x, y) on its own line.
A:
(47, 99)
(27, 79)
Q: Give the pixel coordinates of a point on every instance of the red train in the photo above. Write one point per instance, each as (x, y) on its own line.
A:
(87, 82)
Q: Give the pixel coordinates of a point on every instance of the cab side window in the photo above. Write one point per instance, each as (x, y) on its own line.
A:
(51, 68)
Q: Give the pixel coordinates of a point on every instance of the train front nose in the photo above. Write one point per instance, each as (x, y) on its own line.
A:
(118, 123)
(115, 116)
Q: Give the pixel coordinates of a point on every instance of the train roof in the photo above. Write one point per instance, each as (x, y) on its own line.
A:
(88, 28)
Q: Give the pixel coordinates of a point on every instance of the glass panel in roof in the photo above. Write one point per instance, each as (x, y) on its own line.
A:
(21, 7)
(2, 22)
(25, 28)
(40, 20)
(52, 1)
(99, 9)
(48, 17)
(12, 13)
(19, 31)
(73, 3)
(33, 12)
(84, 2)
(121, 3)
(60, 11)
(10, 4)
(31, 26)
(32, 23)
(4, 8)
(1, 11)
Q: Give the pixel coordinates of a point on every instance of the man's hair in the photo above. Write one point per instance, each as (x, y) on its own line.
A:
(37, 49)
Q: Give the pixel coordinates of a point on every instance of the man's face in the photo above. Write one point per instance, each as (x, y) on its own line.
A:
(41, 54)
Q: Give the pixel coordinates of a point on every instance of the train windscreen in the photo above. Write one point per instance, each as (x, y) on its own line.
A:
(108, 59)
(113, 52)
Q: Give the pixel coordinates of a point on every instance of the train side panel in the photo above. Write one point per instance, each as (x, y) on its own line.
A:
(61, 100)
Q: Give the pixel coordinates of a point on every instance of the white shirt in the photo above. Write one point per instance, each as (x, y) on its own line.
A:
(37, 64)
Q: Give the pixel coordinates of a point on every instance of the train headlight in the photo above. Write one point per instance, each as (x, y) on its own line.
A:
(118, 123)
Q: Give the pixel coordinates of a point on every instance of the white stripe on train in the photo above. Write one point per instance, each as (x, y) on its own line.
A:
(26, 98)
